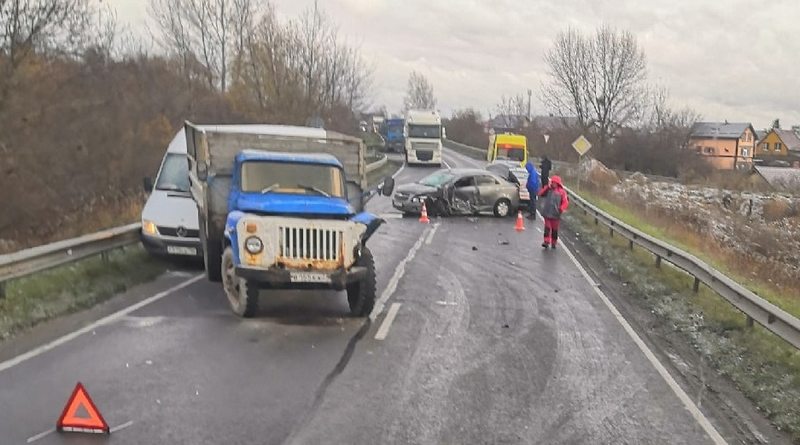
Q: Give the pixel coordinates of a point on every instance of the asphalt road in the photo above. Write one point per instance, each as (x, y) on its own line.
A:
(490, 342)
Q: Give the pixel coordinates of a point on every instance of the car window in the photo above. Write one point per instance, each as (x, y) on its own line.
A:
(466, 181)
(486, 180)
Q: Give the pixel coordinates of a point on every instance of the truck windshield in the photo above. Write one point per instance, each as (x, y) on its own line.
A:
(174, 174)
(424, 131)
(293, 178)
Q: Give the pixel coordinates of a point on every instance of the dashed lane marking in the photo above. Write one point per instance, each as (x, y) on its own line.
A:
(399, 271)
(383, 331)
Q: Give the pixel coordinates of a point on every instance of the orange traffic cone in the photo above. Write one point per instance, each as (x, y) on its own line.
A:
(423, 218)
(520, 226)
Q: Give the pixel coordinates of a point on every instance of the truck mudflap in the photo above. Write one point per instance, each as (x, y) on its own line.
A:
(370, 220)
(275, 278)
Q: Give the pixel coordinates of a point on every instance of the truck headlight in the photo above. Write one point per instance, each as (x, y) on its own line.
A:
(149, 227)
(253, 245)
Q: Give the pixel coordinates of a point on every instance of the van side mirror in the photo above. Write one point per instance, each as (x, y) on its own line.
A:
(147, 183)
(388, 186)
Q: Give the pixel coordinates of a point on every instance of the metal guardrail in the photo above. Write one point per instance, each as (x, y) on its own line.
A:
(48, 256)
(754, 307)
(757, 309)
(371, 167)
(37, 259)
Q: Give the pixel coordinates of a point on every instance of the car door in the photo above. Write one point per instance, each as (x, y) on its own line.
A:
(488, 191)
(465, 192)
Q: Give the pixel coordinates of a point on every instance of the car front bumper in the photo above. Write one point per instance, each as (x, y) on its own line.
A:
(173, 247)
(407, 206)
(301, 279)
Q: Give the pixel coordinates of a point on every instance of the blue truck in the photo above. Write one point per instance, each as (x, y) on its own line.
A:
(395, 140)
(281, 207)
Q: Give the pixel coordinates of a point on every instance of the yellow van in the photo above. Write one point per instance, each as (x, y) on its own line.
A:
(508, 147)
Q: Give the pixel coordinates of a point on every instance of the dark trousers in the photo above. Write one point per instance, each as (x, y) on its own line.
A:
(532, 204)
(545, 178)
(551, 230)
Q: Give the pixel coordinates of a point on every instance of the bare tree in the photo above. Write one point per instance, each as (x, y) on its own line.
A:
(419, 93)
(512, 106)
(298, 69)
(599, 79)
(208, 32)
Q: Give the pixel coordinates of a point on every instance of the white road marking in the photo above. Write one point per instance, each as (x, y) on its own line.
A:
(399, 170)
(391, 215)
(40, 436)
(429, 239)
(399, 271)
(387, 322)
(103, 321)
(445, 163)
(651, 357)
(121, 427)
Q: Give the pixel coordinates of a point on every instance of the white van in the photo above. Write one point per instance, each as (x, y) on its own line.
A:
(170, 224)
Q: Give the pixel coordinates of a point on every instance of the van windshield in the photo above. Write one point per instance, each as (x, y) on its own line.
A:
(293, 178)
(514, 153)
(174, 174)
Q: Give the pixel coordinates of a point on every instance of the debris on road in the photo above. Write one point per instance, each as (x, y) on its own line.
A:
(474, 248)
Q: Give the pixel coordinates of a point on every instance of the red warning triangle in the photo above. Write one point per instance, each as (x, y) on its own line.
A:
(81, 415)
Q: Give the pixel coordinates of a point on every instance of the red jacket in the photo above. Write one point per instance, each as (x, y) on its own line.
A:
(555, 203)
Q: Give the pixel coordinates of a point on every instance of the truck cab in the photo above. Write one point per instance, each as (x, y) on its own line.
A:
(395, 141)
(423, 137)
(293, 219)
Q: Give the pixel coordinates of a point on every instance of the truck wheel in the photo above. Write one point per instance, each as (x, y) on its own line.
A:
(212, 254)
(242, 297)
(361, 295)
(502, 208)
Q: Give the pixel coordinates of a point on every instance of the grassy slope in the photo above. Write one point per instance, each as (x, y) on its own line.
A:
(73, 287)
(725, 262)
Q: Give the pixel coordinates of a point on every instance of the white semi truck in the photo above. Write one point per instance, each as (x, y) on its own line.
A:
(423, 137)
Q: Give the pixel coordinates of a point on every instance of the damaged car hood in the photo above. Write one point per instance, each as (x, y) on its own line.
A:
(415, 189)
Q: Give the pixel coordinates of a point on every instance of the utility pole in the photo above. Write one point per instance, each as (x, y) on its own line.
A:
(529, 104)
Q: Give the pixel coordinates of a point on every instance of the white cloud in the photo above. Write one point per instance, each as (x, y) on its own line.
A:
(730, 60)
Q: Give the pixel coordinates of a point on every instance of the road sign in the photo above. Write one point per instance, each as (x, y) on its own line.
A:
(581, 145)
(80, 415)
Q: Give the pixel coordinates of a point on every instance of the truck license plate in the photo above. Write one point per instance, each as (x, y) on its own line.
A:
(178, 250)
(309, 277)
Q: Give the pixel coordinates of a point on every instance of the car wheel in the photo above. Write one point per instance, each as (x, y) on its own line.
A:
(242, 298)
(502, 208)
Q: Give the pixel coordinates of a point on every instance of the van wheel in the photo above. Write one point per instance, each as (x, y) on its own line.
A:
(242, 297)
(502, 208)
(361, 295)
(212, 254)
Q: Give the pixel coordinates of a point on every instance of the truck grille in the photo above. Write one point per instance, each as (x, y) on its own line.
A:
(424, 145)
(424, 155)
(305, 243)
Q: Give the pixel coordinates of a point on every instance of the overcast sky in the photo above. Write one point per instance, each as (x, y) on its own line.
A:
(728, 59)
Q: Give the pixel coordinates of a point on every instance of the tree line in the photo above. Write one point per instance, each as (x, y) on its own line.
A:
(87, 107)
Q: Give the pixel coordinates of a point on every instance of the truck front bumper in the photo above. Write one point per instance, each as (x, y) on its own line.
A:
(300, 279)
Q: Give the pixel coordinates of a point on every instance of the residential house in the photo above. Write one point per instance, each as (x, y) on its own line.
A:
(779, 145)
(727, 146)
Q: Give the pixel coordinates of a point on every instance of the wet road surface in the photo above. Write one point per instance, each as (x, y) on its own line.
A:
(489, 340)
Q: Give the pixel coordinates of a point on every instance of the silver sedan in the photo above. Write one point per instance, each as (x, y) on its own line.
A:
(459, 191)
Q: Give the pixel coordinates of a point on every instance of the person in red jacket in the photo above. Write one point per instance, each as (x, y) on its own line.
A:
(554, 202)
